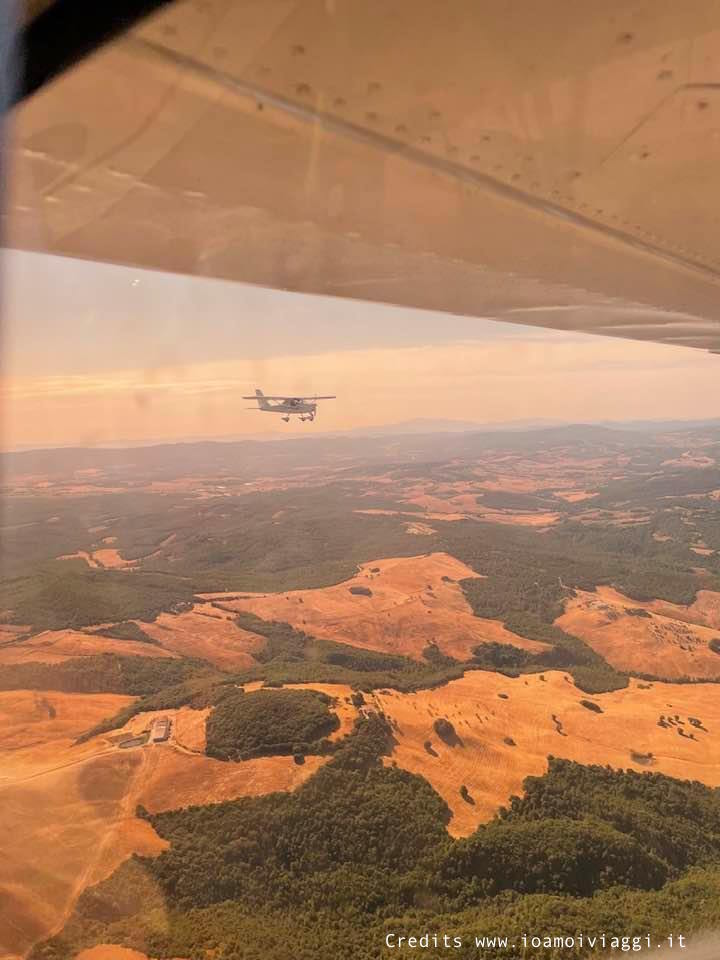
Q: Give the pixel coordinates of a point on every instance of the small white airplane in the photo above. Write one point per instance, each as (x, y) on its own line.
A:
(303, 407)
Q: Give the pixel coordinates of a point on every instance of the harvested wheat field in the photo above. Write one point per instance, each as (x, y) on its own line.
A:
(373, 512)
(55, 646)
(105, 558)
(637, 637)
(206, 632)
(61, 831)
(38, 729)
(397, 605)
(467, 504)
(81, 555)
(176, 779)
(419, 529)
(506, 728)
(705, 610)
(575, 496)
(110, 558)
(78, 802)
(189, 728)
(540, 519)
(67, 810)
(110, 951)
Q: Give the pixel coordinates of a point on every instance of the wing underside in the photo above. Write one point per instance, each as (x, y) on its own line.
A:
(289, 399)
(478, 166)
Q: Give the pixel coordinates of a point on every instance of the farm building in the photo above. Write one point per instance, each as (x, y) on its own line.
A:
(160, 729)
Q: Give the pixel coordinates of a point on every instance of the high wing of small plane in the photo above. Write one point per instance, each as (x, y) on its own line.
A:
(303, 407)
(293, 400)
(552, 166)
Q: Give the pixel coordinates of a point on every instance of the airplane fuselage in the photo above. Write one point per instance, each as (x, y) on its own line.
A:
(289, 407)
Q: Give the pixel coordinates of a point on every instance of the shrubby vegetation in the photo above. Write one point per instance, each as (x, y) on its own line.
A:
(268, 722)
(434, 655)
(67, 594)
(588, 669)
(676, 821)
(239, 546)
(445, 730)
(292, 656)
(125, 630)
(659, 489)
(529, 577)
(105, 673)
(513, 500)
(549, 856)
(320, 541)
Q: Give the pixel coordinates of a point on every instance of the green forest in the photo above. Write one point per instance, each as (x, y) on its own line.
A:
(269, 722)
(104, 673)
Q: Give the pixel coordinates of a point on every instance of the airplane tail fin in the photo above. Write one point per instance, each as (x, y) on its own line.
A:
(262, 402)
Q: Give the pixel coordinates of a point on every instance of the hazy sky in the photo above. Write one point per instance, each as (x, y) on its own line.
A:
(94, 353)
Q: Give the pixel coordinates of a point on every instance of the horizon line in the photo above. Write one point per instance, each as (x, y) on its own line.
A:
(495, 426)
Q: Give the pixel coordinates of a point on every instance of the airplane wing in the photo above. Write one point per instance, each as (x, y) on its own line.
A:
(296, 399)
(540, 166)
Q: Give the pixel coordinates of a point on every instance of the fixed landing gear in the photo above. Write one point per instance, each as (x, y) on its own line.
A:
(302, 417)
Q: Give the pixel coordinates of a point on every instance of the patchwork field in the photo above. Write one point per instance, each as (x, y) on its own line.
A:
(80, 800)
(105, 558)
(177, 780)
(506, 728)
(397, 605)
(468, 505)
(704, 610)
(208, 633)
(110, 951)
(55, 646)
(638, 637)
(77, 802)
(38, 728)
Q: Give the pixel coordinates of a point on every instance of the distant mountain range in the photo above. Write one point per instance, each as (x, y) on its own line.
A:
(407, 428)
(428, 425)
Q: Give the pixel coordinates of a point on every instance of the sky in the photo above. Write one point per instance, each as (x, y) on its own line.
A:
(100, 354)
